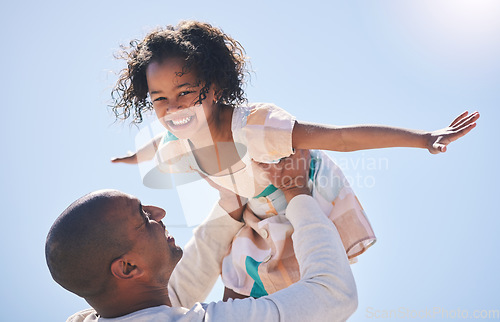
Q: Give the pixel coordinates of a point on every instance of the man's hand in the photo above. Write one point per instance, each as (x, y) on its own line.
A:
(439, 139)
(291, 174)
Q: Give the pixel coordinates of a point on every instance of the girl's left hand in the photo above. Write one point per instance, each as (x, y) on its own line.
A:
(439, 139)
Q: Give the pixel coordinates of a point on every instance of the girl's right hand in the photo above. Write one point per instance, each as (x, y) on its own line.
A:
(131, 158)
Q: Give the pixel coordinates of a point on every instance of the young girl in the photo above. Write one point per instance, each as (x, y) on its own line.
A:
(192, 75)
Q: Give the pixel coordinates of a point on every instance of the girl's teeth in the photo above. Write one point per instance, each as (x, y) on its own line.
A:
(181, 121)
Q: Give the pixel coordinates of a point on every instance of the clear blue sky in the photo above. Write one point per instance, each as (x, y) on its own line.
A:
(413, 64)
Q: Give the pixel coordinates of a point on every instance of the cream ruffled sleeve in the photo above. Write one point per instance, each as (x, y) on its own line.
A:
(266, 130)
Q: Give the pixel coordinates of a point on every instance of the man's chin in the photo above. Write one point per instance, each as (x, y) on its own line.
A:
(178, 255)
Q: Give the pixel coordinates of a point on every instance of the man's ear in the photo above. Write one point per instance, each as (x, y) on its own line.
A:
(125, 268)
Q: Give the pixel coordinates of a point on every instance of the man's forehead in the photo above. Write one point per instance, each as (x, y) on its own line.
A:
(133, 205)
(124, 207)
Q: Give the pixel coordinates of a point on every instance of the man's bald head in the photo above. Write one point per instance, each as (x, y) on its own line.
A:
(84, 240)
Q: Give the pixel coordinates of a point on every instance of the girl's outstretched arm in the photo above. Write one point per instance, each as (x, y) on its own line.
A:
(145, 153)
(362, 137)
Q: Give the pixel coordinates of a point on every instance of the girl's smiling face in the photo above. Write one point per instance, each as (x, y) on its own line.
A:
(175, 97)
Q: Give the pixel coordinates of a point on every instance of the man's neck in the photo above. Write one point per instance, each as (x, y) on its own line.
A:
(126, 302)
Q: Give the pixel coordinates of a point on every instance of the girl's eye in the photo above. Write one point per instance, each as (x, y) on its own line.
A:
(185, 93)
(159, 99)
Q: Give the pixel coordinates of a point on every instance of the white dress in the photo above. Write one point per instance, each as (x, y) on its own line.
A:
(261, 259)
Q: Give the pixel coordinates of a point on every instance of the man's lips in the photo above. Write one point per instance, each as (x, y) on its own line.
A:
(170, 238)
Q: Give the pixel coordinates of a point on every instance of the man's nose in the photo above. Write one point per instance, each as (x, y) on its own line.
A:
(156, 213)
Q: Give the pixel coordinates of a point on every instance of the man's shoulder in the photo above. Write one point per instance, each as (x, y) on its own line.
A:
(84, 315)
(158, 313)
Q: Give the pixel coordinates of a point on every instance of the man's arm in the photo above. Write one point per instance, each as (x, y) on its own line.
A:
(326, 290)
(200, 266)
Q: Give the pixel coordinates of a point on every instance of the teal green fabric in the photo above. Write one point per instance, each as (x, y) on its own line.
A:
(312, 168)
(169, 137)
(270, 188)
(266, 192)
(252, 267)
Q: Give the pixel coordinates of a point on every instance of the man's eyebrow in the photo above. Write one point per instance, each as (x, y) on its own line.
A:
(141, 213)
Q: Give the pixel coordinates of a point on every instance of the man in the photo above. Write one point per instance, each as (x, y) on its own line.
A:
(115, 253)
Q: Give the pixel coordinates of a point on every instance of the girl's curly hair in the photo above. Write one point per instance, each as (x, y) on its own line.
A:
(216, 58)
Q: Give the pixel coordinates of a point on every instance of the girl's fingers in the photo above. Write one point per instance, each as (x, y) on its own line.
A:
(466, 129)
(469, 120)
(458, 118)
(466, 121)
(463, 131)
(440, 148)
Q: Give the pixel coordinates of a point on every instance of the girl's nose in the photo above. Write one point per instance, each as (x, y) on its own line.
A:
(156, 213)
(172, 108)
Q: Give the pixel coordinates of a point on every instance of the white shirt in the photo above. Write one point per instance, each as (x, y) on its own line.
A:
(325, 292)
